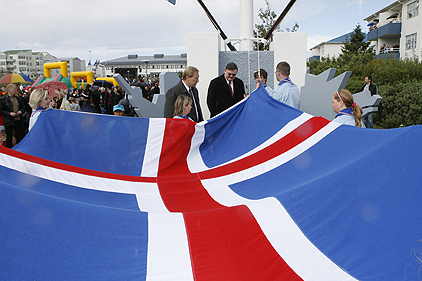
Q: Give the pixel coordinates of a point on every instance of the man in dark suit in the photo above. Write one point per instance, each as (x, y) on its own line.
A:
(187, 87)
(12, 107)
(225, 90)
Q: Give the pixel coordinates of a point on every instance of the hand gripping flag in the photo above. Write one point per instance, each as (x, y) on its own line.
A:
(260, 192)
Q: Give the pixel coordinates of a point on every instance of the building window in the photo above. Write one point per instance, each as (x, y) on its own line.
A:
(413, 9)
(411, 41)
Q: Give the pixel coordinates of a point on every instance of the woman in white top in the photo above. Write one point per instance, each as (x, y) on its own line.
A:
(348, 112)
(39, 100)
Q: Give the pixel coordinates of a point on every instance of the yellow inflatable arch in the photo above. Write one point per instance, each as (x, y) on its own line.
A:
(109, 79)
(55, 65)
(89, 75)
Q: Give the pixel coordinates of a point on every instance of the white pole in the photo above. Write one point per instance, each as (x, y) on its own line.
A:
(246, 24)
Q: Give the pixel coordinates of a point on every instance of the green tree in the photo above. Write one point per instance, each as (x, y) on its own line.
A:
(268, 17)
(355, 44)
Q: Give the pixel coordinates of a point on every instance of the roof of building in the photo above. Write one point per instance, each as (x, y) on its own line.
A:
(338, 40)
(68, 58)
(155, 59)
(390, 7)
(13, 52)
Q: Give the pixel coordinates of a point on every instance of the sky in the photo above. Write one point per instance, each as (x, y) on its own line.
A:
(109, 29)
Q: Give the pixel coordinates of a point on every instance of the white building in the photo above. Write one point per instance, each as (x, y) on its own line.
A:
(398, 24)
(16, 61)
(97, 69)
(133, 66)
(329, 49)
(74, 64)
(38, 61)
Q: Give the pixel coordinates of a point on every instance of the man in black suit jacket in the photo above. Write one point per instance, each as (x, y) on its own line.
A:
(222, 96)
(185, 87)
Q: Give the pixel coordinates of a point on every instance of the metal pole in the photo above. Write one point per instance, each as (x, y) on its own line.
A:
(214, 22)
(280, 18)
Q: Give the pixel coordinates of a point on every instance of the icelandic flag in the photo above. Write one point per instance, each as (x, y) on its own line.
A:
(260, 192)
(172, 1)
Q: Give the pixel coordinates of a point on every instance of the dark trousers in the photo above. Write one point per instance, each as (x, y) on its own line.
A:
(18, 130)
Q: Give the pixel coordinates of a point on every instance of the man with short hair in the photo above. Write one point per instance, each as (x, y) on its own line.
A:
(187, 87)
(262, 77)
(225, 90)
(286, 91)
(12, 107)
(371, 87)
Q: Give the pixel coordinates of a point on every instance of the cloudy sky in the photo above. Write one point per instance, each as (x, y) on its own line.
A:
(111, 29)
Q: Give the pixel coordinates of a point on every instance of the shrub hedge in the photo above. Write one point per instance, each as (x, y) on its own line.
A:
(399, 83)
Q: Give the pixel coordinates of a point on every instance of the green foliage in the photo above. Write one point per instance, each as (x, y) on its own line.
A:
(401, 105)
(399, 83)
(355, 44)
(268, 17)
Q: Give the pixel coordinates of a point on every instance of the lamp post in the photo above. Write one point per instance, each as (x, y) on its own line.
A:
(146, 70)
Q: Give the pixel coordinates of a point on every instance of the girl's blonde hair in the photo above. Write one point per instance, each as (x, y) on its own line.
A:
(180, 103)
(36, 96)
(347, 98)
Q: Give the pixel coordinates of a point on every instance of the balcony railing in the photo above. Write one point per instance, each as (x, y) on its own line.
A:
(389, 50)
(389, 29)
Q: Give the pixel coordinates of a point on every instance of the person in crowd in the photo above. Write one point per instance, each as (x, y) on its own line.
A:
(94, 96)
(182, 107)
(225, 91)
(12, 107)
(348, 112)
(371, 87)
(28, 110)
(40, 101)
(155, 90)
(74, 104)
(86, 104)
(187, 87)
(263, 78)
(62, 102)
(286, 91)
(129, 111)
(111, 100)
(118, 110)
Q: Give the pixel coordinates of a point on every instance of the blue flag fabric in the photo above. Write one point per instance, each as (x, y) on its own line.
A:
(172, 1)
(260, 192)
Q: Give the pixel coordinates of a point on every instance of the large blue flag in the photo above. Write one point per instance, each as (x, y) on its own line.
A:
(260, 192)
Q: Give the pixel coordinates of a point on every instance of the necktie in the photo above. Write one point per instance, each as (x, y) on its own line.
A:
(230, 86)
(193, 103)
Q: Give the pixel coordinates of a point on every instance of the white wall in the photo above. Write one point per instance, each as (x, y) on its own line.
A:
(203, 50)
(291, 47)
(203, 53)
(410, 26)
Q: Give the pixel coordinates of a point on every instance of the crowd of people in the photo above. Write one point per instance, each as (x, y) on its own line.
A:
(21, 108)
(390, 49)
